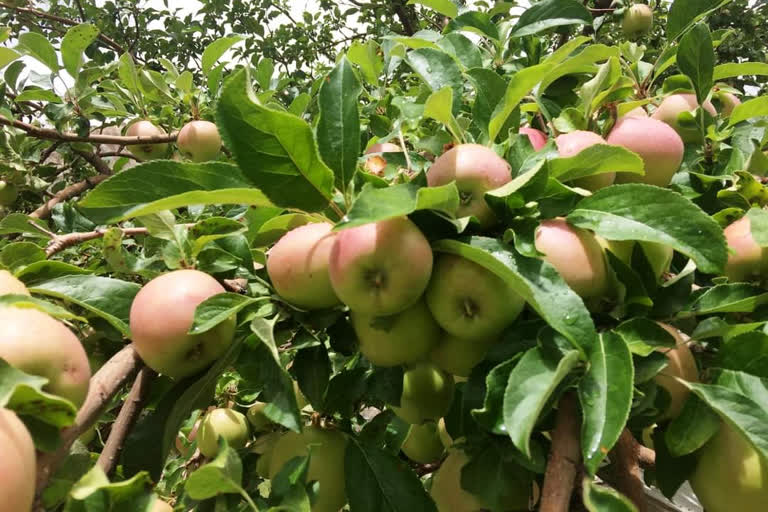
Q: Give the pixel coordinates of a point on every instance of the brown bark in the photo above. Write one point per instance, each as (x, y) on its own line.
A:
(68, 193)
(626, 475)
(564, 458)
(61, 242)
(94, 138)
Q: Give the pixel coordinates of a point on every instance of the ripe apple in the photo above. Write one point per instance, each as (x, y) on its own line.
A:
(146, 151)
(476, 169)
(469, 301)
(660, 147)
(680, 364)
(199, 141)
(298, 266)
(8, 193)
(377, 163)
(381, 268)
(576, 255)
(458, 356)
(9, 285)
(727, 102)
(226, 423)
(747, 261)
(423, 444)
(427, 393)
(161, 506)
(573, 143)
(326, 463)
(676, 104)
(659, 256)
(638, 20)
(17, 464)
(38, 344)
(636, 112)
(537, 137)
(161, 316)
(397, 339)
(731, 475)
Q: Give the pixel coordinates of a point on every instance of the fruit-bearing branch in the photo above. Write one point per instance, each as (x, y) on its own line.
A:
(564, 458)
(50, 134)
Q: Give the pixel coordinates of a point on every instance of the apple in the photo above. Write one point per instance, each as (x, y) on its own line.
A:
(636, 112)
(226, 423)
(396, 339)
(38, 344)
(747, 261)
(427, 394)
(576, 255)
(9, 285)
(470, 301)
(161, 316)
(658, 255)
(199, 141)
(326, 463)
(730, 476)
(257, 418)
(638, 20)
(676, 104)
(17, 464)
(160, 506)
(573, 143)
(423, 444)
(377, 163)
(660, 147)
(727, 102)
(181, 443)
(680, 364)
(8, 193)
(537, 137)
(146, 151)
(442, 431)
(381, 268)
(298, 266)
(476, 169)
(458, 356)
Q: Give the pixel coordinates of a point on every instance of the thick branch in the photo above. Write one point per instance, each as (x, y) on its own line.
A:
(407, 17)
(126, 419)
(627, 476)
(50, 134)
(564, 458)
(71, 191)
(95, 160)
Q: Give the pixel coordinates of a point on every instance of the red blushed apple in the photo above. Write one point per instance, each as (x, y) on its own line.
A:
(380, 268)
(9, 285)
(660, 147)
(199, 141)
(161, 316)
(638, 20)
(17, 464)
(747, 261)
(476, 169)
(146, 151)
(537, 137)
(680, 364)
(727, 102)
(573, 143)
(377, 163)
(298, 266)
(676, 104)
(38, 344)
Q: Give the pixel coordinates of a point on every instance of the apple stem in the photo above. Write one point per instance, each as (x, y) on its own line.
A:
(564, 458)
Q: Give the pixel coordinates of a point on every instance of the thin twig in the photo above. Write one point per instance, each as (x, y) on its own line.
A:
(564, 458)
(59, 243)
(50, 134)
(68, 193)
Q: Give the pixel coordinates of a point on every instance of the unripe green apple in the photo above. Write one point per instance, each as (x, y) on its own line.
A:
(226, 423)
(638, 20)
(257, 418)
(427, 394)
(731, 476)
(727, 102)
(423, 444)
(376, 164)
(458, 356)
(326, 463)
(199, 141)
(476, 169)
(573, 143)
(537, 137)
(676, 104)
(298, 266)
(680, 364)
(470, 301)
(161, 506)
(659, 146)
(38, 344)
(161, 316)
(381, 268)
(9, 285)
(8, 193)
(146, 151)
(397, 339)
(659, 256)
(576, 255)
(17, 464)
(747, 261)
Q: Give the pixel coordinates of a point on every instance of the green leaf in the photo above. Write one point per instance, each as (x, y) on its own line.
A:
(696, 58)
(129, 76)
(491, 416)
(521, 84)
(338, 130)
(38, 95)
(747, 352)
(530, 386)
(734, 69)
(477, 22)
(276, 150)
(463, 49)
(756, 107)
(212, 229)
(216, 49)
(583, 62)
(75, 42)
(438, 70)
(652, 214)
(644, 336)
(24, 394)
(273, 229)
(601, 498)
(444, 7)
(214, 310)
(222, 475)
(597, 159)
(730, 298)
(684, 13)
(16, 256)
(439, 106)
(25, 301)
(185, 81)
(551, 13)
(7, 56)
(489, 90)
(37, 46)
(691, 430)
(174, 185)
(367, 57)
(95, 491)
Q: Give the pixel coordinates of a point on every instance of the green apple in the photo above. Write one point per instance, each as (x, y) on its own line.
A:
(8, 193)
(458, 356)
(381, 268)
(423, 444)
(427, 394)
(146, 151)
(226, 423)
(199, 141)
(670, 109)
(161, 316)
(257, 418)
(680, 365)
(747, 261)
(637, 21)
(9, 285)
(17, 464)
(573, 143)
(659, 146)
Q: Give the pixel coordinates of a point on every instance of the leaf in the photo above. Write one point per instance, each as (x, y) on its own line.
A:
(439, 106)
(489, 90)
(691, 430)
(756, 107)
(684, 13)
(477, 22)
(491, 416)
(652, 214)
(597, 159)
(644, 336)
(216, 49)
(367, 57)
(605, 393)
(212, 229)
(275, 150)
(747, 352)
(24, 394)
(463, 49)
(438, 70)
(129, 77)
(75, 42)
(222, 475)
(7, 56)
(600, 498)
(444, 7)
(95, 492)
(530, 386)
(551, 13)
(214, 310)
(37, 46)
(734, 69)
(16, 256)
(338, 130)
(174, 185)
(583, 62)
(696, 58)
(521, 84)
(25, 301)
(730, 298)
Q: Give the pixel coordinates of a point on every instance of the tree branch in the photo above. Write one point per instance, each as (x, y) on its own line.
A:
(61, 242)
(71, 191)
(564, 458)
(626, 475)
(406, 16)
(95, 160)
(50, 134)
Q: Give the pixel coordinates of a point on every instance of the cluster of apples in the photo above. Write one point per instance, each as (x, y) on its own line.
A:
(198, 141)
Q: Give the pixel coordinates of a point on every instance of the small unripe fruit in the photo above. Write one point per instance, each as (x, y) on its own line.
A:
(226, 423)
(573, 143)
(476, 169)
(146, 151)
(377, 163)
(747, 261)
(676, 104)
(161, 316)
(17, 464)
(537, 137)
(380, 268)
(458, 356)
(9, 285)
(660, 147)
(298, 266)
(638, 20)
(427, 394)
(423, 444)
(199, 141)
(38, 344)
(8, 193)
(680, 364)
